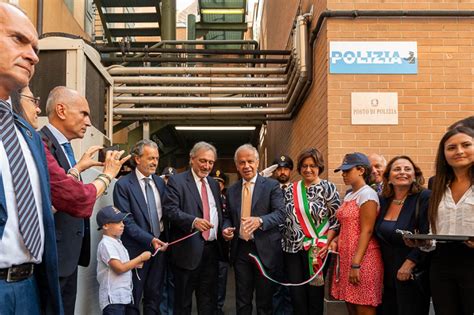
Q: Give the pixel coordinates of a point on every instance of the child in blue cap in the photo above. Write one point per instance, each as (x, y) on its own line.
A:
(113, 263)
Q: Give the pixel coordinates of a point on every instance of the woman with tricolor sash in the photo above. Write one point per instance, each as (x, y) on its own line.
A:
(310, 225)
(360, 277)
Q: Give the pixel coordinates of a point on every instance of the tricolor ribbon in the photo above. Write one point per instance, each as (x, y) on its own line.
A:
(265, 274)
(315, 236)
(176, 241)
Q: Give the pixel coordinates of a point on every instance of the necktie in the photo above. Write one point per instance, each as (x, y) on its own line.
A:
(27, 212)
(152, 211)
(246, 208)
(205, 208)
(70, 154)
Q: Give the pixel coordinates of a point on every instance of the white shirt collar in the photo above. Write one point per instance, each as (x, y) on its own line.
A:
(140, 176)
(57, 134)
(197, 179)
(253, 180)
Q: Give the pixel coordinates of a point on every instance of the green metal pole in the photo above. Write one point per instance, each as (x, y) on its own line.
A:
(168, 20)
(191, 27)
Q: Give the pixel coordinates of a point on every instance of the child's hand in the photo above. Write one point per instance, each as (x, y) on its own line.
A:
(145, 256)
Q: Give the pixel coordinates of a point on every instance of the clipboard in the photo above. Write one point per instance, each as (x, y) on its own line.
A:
(438, 237)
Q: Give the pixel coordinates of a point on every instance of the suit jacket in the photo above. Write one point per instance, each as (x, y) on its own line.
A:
(46, 273)
(129, 198)
(268, 204)
(72, 234)
(394, 251)
(182, 205)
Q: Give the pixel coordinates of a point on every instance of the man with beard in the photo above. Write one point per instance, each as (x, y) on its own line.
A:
(283, 171)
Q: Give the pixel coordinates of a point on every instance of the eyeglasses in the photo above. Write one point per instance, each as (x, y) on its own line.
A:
(35, 100)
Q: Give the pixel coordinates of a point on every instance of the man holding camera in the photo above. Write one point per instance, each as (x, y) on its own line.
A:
(68, 115)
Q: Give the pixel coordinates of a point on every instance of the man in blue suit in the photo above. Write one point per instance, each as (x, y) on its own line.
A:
(140, 194)
(28, 259)
(193, 203)
(255, 209)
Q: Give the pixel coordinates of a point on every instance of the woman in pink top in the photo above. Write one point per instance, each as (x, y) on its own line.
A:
(359, 282)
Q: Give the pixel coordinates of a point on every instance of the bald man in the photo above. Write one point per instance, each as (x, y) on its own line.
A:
(378, 165)
(68, 115)
(28, 263)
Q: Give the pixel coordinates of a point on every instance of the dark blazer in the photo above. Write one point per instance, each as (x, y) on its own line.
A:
(129, 198)
(73, 247)
(182, 205)
(46, 273)
(267, 203)
(394, 250)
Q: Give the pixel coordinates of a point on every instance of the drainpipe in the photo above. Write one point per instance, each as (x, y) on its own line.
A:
(39, 17)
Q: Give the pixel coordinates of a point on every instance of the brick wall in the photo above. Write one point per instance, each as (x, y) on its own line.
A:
(440, 94)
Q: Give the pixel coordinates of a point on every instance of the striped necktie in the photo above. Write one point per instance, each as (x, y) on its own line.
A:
(27, 212)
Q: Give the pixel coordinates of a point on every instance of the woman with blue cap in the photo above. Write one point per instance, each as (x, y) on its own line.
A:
(360, 277)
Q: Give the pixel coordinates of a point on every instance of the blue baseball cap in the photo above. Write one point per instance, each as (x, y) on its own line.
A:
(352, 160)
(109, 214)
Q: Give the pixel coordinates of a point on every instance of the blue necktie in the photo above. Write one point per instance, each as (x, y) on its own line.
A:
(28, 220)
(70, 154)
(152, 211)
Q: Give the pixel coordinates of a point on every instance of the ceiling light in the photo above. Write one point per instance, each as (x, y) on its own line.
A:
(223, 11)
(215, 128)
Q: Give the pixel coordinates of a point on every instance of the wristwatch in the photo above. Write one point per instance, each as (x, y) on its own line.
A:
(261, 223)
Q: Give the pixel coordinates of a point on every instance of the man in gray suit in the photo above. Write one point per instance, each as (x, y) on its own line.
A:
(255, 209)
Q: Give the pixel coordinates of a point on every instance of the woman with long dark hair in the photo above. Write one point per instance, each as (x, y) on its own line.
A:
(451, 212)
(403, 206)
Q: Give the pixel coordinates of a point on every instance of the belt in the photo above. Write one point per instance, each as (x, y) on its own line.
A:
(17, 273)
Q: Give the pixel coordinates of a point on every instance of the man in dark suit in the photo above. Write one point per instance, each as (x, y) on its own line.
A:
(140, 194)
(255, 209)
(68, 115)
(193, 203)
(28, 264)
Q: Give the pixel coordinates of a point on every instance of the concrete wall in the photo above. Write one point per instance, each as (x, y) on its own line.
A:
(440, 94)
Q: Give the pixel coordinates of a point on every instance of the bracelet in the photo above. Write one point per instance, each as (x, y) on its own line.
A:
(106, 176)
(355, 266)
(106, 184)
(73, 172)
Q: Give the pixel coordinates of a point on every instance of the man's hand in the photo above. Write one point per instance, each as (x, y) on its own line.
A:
(87, 161)
(404, 273)
(228, 233)
(250, 224)
(202, 225)
(159, 244)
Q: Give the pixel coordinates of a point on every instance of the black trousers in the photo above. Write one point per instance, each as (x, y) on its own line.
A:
(452, 279)
(68, 287)
(149, 286)
(306, 299)
(202, 280)
(248, 280)
(114, 309)
(404, 298)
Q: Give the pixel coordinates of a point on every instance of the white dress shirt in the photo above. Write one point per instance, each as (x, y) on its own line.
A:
(214, 218)
(456, 218)
(156, 193)
(114, 288)
(12, 247)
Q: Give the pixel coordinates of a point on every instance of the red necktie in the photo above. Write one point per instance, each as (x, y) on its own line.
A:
(205, 207)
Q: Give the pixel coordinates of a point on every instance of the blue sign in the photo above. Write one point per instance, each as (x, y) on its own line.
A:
(373, 57)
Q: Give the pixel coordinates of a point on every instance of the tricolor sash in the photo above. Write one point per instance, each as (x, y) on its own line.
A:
(315, 236)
